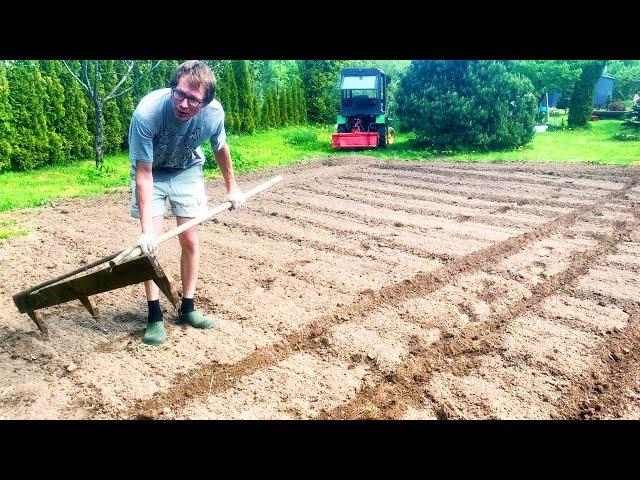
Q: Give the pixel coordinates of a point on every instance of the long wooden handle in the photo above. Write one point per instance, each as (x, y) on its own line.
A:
(66, 275)
(135, 251)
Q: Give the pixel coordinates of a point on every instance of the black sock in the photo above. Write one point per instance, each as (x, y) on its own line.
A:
(155, 314)
(187, 305)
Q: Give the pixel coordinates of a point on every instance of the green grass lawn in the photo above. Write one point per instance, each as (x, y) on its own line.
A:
(282, 146)
(30, 189)
(595, 144)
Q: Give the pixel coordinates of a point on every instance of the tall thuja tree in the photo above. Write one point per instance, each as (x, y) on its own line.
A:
(282, 106)
(147, 79)
(268, 115)
(245, 96)
(30, 144)
(466, 104)
(159, 76)
(581, 103)
(274, 111)
(6, 126)
(320, 80)
(256, 111)
(291, 113)
(73, 126)
(264, 114)
(301, 104)
(54, 110)
(264, 76)
(91, 76)
(126, 107)
(227, 95)
(267, 73)
(257, 95)
(294, 81)
(113, 129)
(52, 95)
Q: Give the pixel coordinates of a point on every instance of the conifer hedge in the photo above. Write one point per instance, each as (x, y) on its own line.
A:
(47, 118)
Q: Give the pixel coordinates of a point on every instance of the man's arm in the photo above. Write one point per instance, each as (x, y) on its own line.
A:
(144, 195)
(234, 194)
(223, 159)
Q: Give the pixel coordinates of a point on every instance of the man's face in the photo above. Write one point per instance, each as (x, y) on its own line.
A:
(186, 101)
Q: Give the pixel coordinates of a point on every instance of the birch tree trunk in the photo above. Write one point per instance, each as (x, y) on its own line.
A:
(92, 87)
(98, 142)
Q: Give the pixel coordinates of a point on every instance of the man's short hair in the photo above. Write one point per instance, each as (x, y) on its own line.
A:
(197, 73)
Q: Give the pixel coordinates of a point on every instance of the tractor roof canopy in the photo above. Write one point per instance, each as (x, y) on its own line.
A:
(364, 82)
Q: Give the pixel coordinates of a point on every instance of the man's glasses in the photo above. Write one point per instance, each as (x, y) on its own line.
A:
(180, 96)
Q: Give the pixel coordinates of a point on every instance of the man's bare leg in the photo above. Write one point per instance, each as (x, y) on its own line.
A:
(189, 264)
(190, 257)
(150, 288)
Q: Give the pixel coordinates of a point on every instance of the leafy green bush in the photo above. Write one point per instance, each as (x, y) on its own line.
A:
(554, 126)
(453, 105)
(300, 137)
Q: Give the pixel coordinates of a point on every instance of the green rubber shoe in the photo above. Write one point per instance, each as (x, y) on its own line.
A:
(155, 334)
(196, 320)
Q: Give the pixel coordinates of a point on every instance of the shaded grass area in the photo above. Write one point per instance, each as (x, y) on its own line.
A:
(277, 147)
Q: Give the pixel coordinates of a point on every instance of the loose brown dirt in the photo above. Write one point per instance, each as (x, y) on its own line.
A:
(355, 288)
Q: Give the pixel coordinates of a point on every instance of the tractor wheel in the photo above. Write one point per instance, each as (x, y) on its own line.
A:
(391, 135)
(382, 136)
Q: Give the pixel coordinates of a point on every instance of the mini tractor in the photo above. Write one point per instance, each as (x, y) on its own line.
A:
(363, 121)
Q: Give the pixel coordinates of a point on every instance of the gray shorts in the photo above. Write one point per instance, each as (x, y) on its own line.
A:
(183, 188)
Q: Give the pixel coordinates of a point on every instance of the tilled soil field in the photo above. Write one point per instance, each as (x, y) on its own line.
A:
(355, 288)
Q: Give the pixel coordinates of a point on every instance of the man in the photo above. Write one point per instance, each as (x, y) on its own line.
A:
(166, 131)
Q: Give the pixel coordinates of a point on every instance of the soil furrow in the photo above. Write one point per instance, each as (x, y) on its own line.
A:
(440, 225)
(476, 206)
(448, 211)
(546, 170)
(481, 176)
(509, 217)
(499, 194)
(369, 236)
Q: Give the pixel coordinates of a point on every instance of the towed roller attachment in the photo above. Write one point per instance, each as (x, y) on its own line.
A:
(355, 140)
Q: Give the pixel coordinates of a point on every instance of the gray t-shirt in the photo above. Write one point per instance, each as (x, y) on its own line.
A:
(155, 135)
